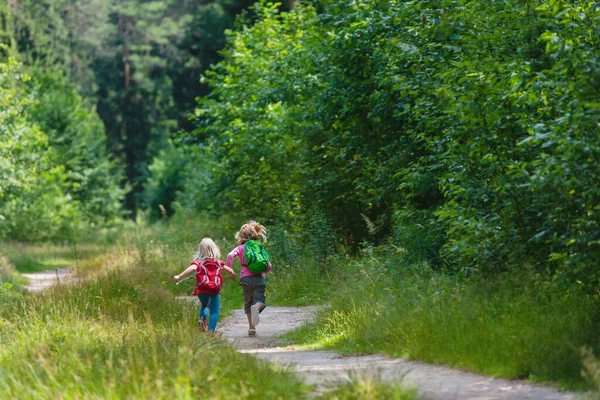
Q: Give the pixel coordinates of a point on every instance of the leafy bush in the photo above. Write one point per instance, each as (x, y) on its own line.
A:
(486, 138)
(78, 139)
(166, 180)
(32, 197)
(53, 164)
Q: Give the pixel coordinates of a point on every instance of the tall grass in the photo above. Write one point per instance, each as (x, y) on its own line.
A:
(28, 257)
(121, 334)
(368, 388)
(508, 326)
(11, 283)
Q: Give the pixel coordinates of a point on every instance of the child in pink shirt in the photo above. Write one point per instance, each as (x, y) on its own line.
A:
(254, 285)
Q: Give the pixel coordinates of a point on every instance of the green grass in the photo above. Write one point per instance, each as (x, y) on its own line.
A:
(111, 339)
(361, 388)
(514, 327)
(121, 334)
(123, 322)
(28, 258)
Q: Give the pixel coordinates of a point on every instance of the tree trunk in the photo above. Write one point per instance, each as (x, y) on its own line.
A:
(123, 32)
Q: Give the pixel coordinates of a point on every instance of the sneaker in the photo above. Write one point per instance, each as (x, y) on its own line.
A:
(254, 315)
(202, 324)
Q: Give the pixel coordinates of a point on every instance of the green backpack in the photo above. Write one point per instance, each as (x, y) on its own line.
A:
(256, 256)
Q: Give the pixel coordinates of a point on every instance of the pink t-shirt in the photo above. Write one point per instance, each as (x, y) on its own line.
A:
(239, 252)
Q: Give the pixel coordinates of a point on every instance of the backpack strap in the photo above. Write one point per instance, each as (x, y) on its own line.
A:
(205, 278)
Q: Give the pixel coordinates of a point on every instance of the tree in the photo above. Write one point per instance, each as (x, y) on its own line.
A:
(33, 204)
(6, 31)
(424, 114)
(76, 135)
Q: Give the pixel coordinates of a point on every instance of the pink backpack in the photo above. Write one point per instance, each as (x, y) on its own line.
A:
(209, 277)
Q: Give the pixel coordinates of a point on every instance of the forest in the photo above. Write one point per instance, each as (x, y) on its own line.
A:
(438, 158)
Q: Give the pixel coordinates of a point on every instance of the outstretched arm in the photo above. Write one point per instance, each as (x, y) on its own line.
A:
(230, 272)
(188, 271)
(234, 253)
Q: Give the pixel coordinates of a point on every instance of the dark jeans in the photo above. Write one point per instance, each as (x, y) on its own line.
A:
(254, 291)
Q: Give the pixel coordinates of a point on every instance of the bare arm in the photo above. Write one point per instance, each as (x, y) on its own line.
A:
(230, 272)
(188, 271)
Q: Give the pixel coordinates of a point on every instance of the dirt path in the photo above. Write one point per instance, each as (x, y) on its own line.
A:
(323, 368)
(44, 279)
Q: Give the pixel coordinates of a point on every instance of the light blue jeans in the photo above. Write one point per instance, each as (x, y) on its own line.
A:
(212, 303)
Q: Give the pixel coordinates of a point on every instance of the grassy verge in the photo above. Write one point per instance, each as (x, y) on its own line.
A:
(122, 335)
(512, 327)
(11, 283)
(28, 258)
(370, 389)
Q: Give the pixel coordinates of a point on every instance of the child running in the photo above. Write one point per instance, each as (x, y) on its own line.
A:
(209, 280)
(253, 283)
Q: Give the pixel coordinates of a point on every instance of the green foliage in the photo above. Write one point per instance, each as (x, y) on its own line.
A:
(53, 163)
(138, 60)
(166, 181)
(416, 237)
(511, 180)
(6, 31)
(486, 140)
(251, 128)
(62, 34)
(77, 136)
(320, 238)
(122, 335)
(509, 326)
(33, 204)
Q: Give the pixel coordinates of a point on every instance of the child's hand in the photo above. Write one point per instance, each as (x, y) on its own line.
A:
(230, 272)
(176, 278)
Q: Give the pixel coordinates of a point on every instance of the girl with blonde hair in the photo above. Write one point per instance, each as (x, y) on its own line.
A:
(253, 283)
(208, 268)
